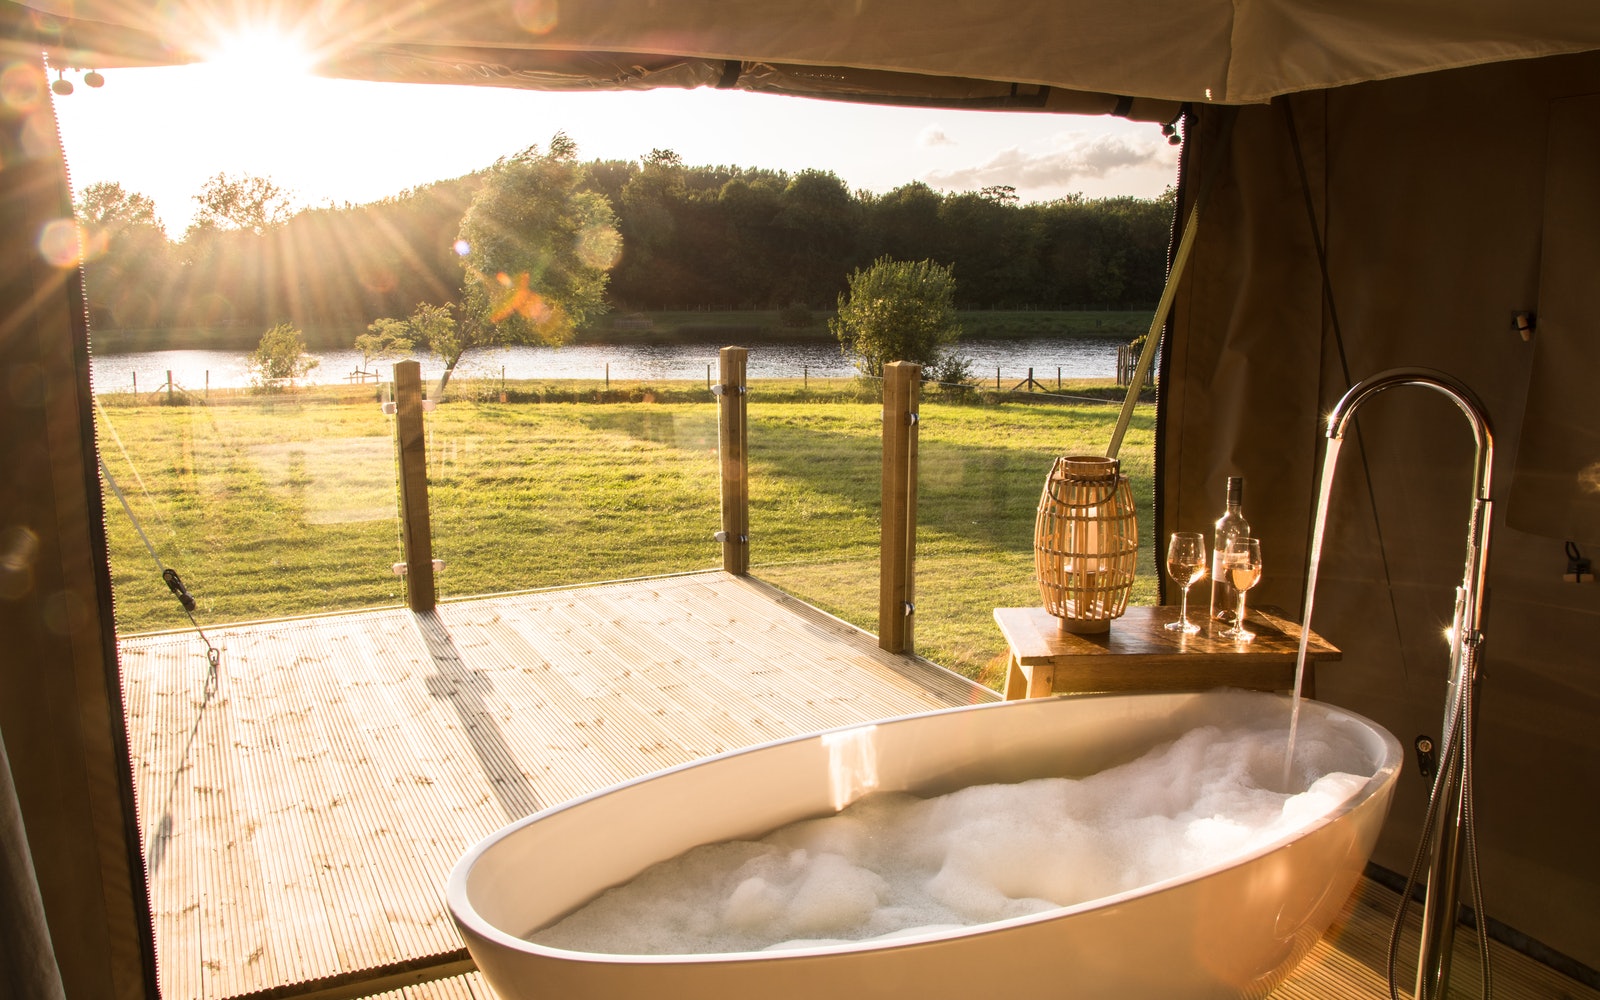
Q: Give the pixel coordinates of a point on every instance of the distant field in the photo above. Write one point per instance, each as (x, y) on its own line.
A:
(687, 327)
(283, 505)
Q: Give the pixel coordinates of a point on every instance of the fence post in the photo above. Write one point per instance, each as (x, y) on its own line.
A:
(734, 448)
(416, 536)
(902, 389)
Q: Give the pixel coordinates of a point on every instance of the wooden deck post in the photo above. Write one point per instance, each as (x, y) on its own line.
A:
(734, 448)
(416, 535)
(902, 389)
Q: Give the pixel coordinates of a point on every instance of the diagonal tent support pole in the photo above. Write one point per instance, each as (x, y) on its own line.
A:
(1153, 337)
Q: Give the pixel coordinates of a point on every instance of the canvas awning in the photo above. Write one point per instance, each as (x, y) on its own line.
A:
(1139, 58)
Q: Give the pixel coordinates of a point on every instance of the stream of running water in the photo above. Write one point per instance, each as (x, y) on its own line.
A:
(1319, 526)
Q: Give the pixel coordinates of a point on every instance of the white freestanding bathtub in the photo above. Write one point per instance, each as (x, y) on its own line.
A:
(1234, 930)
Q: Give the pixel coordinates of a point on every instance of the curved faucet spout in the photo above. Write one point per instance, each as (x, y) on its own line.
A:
(1465, 399)
(1452, 791)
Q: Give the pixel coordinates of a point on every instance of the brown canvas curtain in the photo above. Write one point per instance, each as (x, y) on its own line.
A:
(27, 958)
(1429, 197)
(61, 714)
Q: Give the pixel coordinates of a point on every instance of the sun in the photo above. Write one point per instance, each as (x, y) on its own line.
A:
(260, 51)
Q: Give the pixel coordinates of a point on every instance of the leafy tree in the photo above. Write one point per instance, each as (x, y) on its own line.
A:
(994, 245)
(897, 310)
(753, 248)
(434, 328)
(127, 256)
(651, 204)
(385, 338)
(280, 357)
(105, 207)
(249, 203)
(539, 250)
(819, 219)
(905, 223)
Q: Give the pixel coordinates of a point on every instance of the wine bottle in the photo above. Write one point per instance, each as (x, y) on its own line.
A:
(1224, 595)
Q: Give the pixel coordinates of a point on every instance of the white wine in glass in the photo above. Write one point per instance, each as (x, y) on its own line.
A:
(1186, 563)
(1242, 563)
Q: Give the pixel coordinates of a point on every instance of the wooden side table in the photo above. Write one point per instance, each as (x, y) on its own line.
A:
(1138, 654)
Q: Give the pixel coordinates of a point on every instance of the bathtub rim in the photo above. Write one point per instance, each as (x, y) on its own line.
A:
(472, 923)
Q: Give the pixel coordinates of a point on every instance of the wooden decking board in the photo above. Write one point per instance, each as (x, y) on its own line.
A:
(684, 675)
(743, 636)
(690, 667)
(743, 676)
(340, 813)
(315, 805)
(559, 758)
(1351, 960)
(923, 689)
(424, 810)
(661, 670)
(620, 702)
(600, 717)
(349, 760)
(257, 730)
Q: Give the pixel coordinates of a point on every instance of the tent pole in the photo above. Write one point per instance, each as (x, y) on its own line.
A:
(1153, 337)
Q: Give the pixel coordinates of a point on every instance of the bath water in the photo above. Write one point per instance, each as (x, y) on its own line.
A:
(1325, 489)
(893, 864)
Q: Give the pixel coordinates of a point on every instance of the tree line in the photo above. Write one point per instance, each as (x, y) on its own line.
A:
(684, 237)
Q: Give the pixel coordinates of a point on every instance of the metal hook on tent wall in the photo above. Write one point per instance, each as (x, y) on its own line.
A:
(1579, 569)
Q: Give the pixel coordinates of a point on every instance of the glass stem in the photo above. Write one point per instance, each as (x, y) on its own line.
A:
(1238, 622)
(1183, 607)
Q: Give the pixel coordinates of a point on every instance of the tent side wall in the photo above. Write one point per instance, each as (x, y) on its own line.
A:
(1446, 203)
(61, 714)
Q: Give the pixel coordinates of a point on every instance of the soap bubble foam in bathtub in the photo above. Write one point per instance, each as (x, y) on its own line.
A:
(893, 864)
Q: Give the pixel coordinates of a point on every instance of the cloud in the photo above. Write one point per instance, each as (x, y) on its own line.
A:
(933, 135)
(1072, 157)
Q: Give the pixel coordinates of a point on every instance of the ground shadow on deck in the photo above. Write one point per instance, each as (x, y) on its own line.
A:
(465, 689)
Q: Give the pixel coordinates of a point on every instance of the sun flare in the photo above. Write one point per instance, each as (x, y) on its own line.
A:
(261, 51)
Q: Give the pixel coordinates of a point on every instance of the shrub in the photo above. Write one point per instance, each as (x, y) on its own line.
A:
(897, 311)
(280, 357)
(795, 316)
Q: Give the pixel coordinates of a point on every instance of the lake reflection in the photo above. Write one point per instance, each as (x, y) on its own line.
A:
(1073, 357)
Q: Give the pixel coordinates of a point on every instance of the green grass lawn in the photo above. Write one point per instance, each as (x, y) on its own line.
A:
(282, 505)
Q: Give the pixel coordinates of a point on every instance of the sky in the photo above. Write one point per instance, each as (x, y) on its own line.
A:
(163, 132)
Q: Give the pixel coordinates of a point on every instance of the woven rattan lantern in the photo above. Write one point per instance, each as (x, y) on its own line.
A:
(1086, 542)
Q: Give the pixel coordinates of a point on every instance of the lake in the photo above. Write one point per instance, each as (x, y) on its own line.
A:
(1074, 357)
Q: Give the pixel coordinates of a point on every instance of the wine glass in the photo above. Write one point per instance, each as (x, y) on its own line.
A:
(1241, 560)
(1186, 562)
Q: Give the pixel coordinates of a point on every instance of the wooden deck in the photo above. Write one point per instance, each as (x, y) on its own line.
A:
(300, 820)
(301, 816)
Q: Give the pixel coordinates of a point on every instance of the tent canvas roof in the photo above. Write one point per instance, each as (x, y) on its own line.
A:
(1053, 55)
